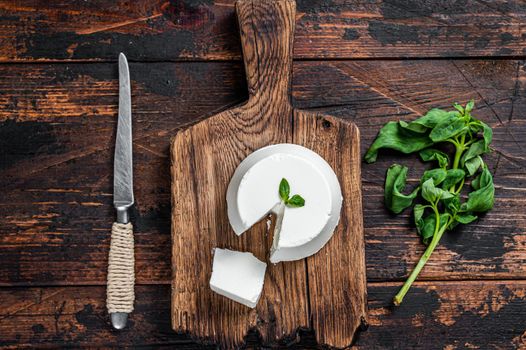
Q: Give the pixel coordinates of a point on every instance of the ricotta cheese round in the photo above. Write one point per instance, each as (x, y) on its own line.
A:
(253, 193)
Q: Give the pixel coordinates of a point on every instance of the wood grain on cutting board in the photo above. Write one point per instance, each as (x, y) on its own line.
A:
(326, 291)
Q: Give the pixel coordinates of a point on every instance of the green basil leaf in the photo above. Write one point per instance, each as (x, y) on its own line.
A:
(432, 119)
(445, 194)
(393, 136)
(458, 108)
(415, 127)
(431, 193)
(453, 177)
(475, 183)
(418, 212)
(284, 190)
(452, 204)
(487, 133)
(427, 229)
(428, 191)
(475, 125)
(482, 180)
(392, 174)
(296, 201)
(438, 175)
(465, 218)
(429, 120)
(452, 224)
(430, 154)
(447, 130)
(473, 165)
(483, 197)
(474, 150)
(395, 182)
(469, 106)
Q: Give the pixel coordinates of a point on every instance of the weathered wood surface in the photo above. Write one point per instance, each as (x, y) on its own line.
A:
(56, 117)
(296, 294)
(57, 124)
(336, 274)
(57, 131)
(160, 30)
(437, 315)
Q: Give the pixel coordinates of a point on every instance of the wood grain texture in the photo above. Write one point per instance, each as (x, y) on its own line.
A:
(336, 278)
(204, 158)
(162, 30)
(208, 153)
(57, 124)
(57, 130)
(435, 315)
(447, 315)
(478, 250)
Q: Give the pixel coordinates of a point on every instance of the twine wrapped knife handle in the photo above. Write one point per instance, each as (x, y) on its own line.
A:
(121, 271)
(121, 274)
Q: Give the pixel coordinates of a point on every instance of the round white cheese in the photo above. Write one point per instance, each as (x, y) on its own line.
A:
(253, 193)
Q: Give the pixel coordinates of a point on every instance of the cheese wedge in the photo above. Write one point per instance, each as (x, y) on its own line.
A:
(253, 193)
(238, 276)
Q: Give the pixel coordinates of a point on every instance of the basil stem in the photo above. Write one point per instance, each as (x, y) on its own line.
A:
(459, 149)
(439, 230)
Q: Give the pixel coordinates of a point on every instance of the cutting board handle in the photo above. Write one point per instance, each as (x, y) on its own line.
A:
(267, 36)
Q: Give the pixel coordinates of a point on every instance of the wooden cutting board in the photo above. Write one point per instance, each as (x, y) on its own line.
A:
(325, 292)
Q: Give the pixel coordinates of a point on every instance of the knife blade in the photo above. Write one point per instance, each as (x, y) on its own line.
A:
(123, 162)
(121, 262)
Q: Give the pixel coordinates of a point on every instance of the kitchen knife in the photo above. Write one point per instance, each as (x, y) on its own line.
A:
(121, 274)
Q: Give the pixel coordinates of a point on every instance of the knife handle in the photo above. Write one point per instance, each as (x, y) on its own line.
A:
(121, 269)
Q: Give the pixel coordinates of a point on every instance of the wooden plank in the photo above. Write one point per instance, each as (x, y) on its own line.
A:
(203, 159)
(77, 316)
(336, 278)
(187, 30)
(447, 315)
(209, 152)
(435, 315)
(58, 123)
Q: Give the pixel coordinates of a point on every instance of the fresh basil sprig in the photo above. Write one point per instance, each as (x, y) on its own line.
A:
(296, 201)
(442, 207)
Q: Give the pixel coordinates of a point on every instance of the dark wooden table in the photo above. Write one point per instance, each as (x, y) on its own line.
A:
(368, 61)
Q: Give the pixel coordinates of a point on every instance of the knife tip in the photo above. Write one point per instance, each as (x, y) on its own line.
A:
(122, 57)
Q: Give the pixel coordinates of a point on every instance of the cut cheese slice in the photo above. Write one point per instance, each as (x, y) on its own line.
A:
(238, 276)
(253, 193)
